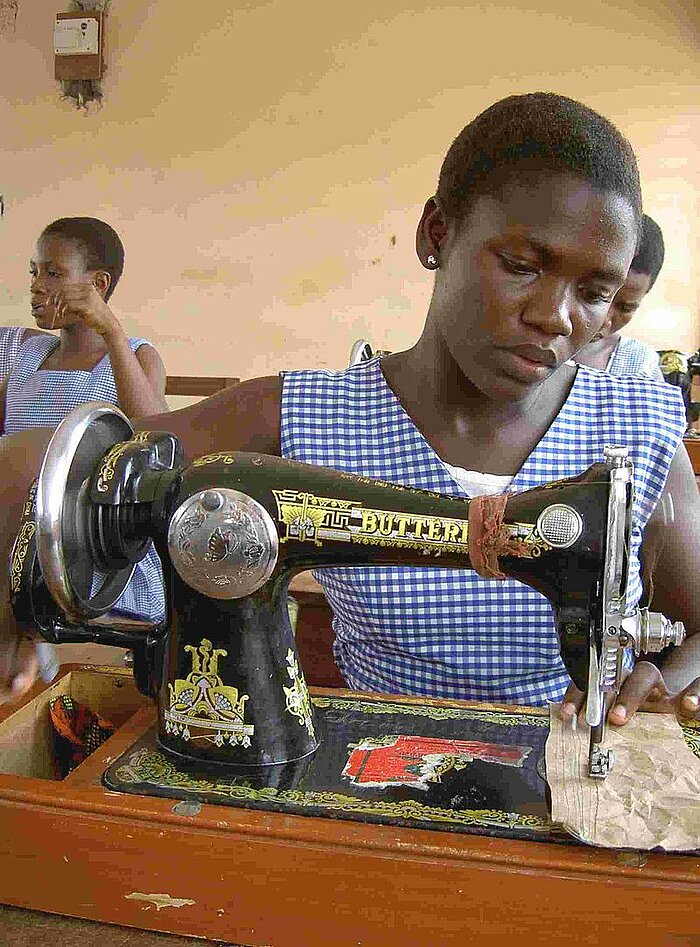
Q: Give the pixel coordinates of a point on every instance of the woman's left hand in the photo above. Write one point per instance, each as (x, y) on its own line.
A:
(82, 301)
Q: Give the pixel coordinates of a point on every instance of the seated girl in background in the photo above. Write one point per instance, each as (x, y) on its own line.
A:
(612, 352)
(75, 268)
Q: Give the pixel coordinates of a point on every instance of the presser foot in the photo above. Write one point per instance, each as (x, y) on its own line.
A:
(599, 762)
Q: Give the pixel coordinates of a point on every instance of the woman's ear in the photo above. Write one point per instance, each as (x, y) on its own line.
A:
(102, 280)
(431, 232)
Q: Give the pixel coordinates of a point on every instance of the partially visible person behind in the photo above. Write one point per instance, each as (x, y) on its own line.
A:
(612, 352)
(11, 339)
(74, 271)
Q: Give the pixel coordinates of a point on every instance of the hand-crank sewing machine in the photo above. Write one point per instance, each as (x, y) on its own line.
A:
(232, 529)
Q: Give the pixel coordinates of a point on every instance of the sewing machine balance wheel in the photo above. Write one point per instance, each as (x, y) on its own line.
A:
(68, 523)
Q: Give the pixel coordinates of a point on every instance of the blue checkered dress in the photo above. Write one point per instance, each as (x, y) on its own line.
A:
(450, 633)
(10, 342)
(39, 398)
(631, 357)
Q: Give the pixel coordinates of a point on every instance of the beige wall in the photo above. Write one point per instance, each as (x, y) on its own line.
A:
(266, 162)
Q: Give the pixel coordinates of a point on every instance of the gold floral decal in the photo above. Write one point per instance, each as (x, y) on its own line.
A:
(203, 701)
(110, 461)
(212, 459)
(297, 696)
(691, 732)
(19, 553)
(506, 718)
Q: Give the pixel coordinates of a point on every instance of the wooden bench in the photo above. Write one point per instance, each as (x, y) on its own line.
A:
(196, 386)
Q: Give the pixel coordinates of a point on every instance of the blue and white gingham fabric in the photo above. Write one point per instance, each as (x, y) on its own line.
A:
(10, 342)
(40, 398)
(450, 633)
(631, 357)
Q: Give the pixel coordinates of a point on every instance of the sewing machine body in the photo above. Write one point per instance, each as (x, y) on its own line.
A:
(231, 530)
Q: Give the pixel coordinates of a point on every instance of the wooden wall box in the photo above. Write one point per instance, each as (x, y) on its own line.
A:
(251, 877)
(83, 66)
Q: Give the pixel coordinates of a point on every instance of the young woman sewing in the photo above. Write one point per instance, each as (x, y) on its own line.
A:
(530, 234)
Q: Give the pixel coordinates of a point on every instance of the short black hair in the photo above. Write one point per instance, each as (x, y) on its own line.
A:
(527, 134)
(100, 245)
(649, 257)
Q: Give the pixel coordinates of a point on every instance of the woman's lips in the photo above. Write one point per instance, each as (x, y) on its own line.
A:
(528, 364)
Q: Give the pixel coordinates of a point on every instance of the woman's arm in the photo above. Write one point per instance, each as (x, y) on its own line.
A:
(243, 417)
(139, 376)
(140, 382)
(676, 577)
(675, 686)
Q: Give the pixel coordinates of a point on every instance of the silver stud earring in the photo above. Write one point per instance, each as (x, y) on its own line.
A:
(432, 261)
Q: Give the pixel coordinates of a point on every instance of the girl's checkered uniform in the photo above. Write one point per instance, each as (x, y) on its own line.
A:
(39, 398)
(450, 633)
(632, 357)
(10, 342)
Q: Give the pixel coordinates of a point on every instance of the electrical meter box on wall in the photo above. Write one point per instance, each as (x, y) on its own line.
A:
(77, 44)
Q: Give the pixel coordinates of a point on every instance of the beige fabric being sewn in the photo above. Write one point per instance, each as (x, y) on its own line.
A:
(651, 797)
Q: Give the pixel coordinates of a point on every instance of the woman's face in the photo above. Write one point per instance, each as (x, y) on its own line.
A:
(56, 263)
(528, 279)
(628, 299)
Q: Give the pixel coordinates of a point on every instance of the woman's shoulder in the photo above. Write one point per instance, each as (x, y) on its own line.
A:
(362, 377)
(11, 334)
(634, 357)
(10, 343)
(641, 401)
(36, 347)
(135, 342)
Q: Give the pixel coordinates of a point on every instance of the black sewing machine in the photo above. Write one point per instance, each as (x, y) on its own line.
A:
(231, 530)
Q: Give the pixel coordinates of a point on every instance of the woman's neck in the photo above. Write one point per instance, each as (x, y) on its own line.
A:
(80, 340)
(462, 424)
(597, 354)
(427, 373)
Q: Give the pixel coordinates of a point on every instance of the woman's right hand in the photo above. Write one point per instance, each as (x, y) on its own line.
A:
(19, 669)
(20, 461)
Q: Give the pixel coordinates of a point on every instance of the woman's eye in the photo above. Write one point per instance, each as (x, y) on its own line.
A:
(520, 267)
(597, 296)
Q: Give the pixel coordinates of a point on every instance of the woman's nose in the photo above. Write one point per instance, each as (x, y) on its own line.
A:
(551, 309)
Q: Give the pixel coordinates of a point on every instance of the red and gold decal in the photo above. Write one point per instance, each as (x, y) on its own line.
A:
(417, 761)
